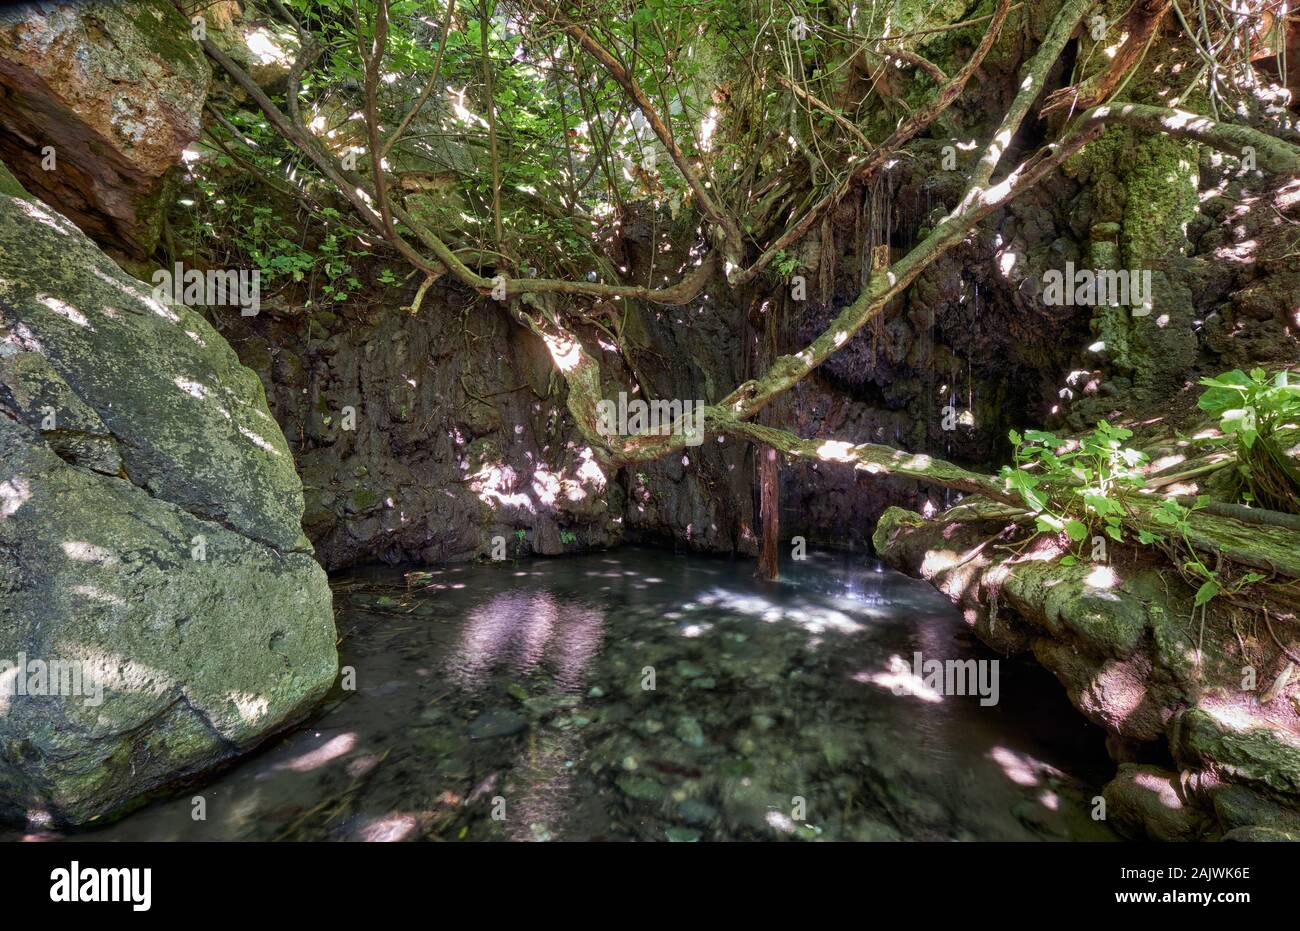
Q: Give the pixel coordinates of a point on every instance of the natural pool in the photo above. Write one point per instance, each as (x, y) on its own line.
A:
(509, 702)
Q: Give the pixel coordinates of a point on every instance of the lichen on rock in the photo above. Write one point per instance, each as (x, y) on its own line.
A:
(150, 538)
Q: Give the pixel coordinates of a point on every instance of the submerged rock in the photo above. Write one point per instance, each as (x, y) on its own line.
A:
(689, 732)
(150, 550)
(500, 723)
(641, 788)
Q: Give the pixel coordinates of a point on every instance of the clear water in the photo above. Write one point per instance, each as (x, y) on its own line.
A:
(509, 702)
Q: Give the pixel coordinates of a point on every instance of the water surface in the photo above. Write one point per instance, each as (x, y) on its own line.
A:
(513, 702)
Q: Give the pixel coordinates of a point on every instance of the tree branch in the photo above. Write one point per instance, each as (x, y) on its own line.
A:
(1031, 85)
(1271, 154)
(355, 191)
(875, 459)
(732, 242)
(428, 87)
(1139, 24)
(876, 159)
(787, 371)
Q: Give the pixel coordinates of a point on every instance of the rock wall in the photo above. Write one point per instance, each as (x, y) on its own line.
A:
(1201, 756)
(151, 547)
(438, 436)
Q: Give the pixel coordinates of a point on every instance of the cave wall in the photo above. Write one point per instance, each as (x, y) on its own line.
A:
(458, 432)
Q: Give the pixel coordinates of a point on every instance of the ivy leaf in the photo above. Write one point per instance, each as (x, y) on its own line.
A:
(1206, 592)
(1100, 504)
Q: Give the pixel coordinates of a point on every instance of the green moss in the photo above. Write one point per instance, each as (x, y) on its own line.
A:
(892, 519)
(167, 32)
(9, 184)
(911, 15)
(1258, 756)
(1162, 184)
(362, 499)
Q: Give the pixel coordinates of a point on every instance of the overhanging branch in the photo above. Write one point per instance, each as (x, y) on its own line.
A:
(1271, 154)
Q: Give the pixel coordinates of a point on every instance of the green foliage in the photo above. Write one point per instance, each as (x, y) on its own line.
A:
(1079, 487)
(785, 264)
(1255, 411)
(1084, 486)
(234, 218)
(1076, 487)
(572, 152)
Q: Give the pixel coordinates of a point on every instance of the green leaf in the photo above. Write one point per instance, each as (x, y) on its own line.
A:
(1206, 592)
(1046, 523)
(1100, 504)
(1077, 530)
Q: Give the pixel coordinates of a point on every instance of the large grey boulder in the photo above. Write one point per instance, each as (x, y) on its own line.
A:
(149, 538)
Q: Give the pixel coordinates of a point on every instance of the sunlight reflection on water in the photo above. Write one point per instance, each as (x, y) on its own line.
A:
(521, 690)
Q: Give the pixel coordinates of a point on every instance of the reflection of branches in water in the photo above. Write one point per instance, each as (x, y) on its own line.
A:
(527, 630)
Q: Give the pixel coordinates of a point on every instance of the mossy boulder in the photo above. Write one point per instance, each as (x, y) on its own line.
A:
(1241, 750)
(191, 423)
(149, 539)
(1149, 803)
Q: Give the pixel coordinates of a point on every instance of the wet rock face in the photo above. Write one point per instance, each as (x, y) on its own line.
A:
(969, 350)
(161, 608)
(112, 92)
(427, 438)
(1119, 639)
(444, 436)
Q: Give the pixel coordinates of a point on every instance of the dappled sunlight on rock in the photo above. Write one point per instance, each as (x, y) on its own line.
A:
(65, 310)
(1102, 577)
(835, 451)
(88, 552)
(388, 829)
(252, 708)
